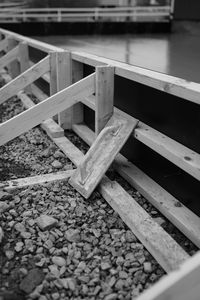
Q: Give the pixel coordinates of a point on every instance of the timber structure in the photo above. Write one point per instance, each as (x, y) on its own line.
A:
(76, 81)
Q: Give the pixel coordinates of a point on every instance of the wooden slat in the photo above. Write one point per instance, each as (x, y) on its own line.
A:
(165, 250)
(3, 44)
(182, 284)
(104, 96)
(46, 109)
(9, 57)
(101, 155)
(183, 218)
(23, 80)
(24, 60)
(53, 77)
(34, 180)
(13, 66)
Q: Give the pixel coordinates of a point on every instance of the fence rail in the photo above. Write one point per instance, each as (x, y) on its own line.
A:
(117, 14)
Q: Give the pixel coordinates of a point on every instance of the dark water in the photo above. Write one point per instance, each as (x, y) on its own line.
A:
(174, 54)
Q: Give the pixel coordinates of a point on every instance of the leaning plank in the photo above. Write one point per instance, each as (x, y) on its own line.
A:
(49, 107)
(9, 57)
(20, 82)
(158, 242)
(182, 217)
(182, 284)
(34, 180)
(102, 153)
(3, 44)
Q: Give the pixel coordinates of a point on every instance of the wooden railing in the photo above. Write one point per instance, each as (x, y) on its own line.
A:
(117, 14)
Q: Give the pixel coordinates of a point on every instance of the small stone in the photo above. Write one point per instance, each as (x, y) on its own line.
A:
(123, 275)
(56, 164)
(71, 284)
(72, 235)
(111, 297)
(54, 270)
(19, 246)
(159, 220)
(58, 154)
(55, 296)
(9, 254)
(130, 237)
(147, 267)
(3, 207)
(25, 235)
(120, 260)
(46, 222)
(20, 227)
(59, 261)
(32, 280)
(27, 213)
(1, 234)
(105, 266)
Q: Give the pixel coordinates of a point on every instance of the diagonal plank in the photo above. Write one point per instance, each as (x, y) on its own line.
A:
(20, 82)
(9, 57)
(102, 153)
(46, 109)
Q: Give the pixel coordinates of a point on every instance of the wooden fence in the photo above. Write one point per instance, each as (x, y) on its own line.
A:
(71, 89)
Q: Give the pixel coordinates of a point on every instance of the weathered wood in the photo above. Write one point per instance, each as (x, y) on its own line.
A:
(182, 217)
(104, 96)
(182, 284)
(53, 77)
(9, 57)
(46, 109)
(24, 60)
(101, 155)
(34, 180)
(23, 80)
(157, 241)
(3, 45)
(64, 79)
(13, 67)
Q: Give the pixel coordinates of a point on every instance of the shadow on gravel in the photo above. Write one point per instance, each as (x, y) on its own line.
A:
(9, 168)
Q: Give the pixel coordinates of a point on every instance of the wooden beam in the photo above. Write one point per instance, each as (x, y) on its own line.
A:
(64, 79)
(53, 77)
(34, 180)
(101, 155)
(104, 96)
(23, 80)
(182, 217)
(13, 67)
(182, 284)
(46, 109)
(9, 57)
(24, 60)
(157, 241)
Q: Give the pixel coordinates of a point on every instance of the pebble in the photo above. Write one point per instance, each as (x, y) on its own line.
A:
(25, 235)
(111, 297)
(56, 164)
(20, 227)
(3, 206)
(105, 266)
(19, 246)
(147, 267)
(32, 280)
(72, 235)
(9, 254)
(46, 222)
(159, 220)
(59, 261)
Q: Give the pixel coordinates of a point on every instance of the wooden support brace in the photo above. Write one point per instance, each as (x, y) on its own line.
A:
(24, 61)
(8, 58)
(13, 68)
(46, 109)
(104, 96)
(101, 154)
(23, 80)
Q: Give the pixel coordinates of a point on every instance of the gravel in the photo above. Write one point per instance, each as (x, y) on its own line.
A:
(56, 245)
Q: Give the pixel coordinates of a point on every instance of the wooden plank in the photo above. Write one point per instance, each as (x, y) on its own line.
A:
(157, 241)
(34, 180)
(53, 77)
(182, 284)
(101, 155)
(64, 79)
(104, 96)
(49, 126)
(13, 67)
(182, 217)
(46, 109)
(3, 44)
(9, 57)
(23, 80)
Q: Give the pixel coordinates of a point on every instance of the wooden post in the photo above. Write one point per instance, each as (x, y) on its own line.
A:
(64, 79)
(24, 60)
(77, 109)
(13, 68)
(53, 77)
(104, 96)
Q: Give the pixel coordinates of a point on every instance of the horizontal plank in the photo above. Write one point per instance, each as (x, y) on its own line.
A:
(157, 241)
(34, 180)
(9, 57)
(182, 284)
(182, 217)
(46, 109)
(23, 80)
